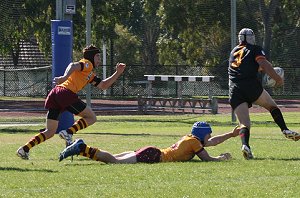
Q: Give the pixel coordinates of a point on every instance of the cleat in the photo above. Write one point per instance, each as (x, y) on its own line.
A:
(247, 152)
(71, 150)
(22, 154)
(66, 136)
(291, 135)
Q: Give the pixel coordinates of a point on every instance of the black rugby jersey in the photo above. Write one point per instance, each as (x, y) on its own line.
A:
(243, 62)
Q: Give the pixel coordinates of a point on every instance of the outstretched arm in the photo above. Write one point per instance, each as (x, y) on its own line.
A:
(218, 139)
(204, 156)
(106, 83)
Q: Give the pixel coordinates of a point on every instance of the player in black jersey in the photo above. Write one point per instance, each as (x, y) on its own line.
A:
(245, 89)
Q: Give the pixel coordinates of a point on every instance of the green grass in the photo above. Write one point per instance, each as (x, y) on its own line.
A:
(274, 172)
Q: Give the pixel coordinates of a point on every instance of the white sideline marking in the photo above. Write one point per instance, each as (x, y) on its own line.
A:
(19, 124)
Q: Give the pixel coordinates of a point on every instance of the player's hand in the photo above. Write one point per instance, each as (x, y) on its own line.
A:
(236, 131)
(225, 156)
(279, 82)
(120, 67)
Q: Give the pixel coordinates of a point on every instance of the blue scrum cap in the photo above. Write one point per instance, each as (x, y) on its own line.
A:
(201, 129)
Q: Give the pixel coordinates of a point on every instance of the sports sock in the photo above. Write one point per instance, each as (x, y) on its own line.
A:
(89, 152)
(278, 118)
(37, 139)
(245, 136)
(78, 125)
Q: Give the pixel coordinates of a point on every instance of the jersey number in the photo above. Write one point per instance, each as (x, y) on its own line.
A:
(238, 57)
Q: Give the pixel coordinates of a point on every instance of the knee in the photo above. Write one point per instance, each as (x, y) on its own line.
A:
(92, 119)
(272, 108)
(89, 116)
(49, 133)
(245, 125)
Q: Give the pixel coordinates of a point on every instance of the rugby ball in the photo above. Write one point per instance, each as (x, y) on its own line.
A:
(270, 82)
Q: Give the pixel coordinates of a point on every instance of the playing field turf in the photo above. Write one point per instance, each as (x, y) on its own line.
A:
(274, 172)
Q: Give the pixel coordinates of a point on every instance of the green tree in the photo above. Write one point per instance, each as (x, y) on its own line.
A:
(267, 13)
(142, 21)
(286, 34)
(197, 30)
(25, 20)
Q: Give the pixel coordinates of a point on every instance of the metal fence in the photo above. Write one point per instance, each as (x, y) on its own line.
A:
(37, 82)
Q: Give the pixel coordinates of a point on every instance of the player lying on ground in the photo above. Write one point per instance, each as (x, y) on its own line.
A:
(64, 97)
(183, 150)
(245, 61)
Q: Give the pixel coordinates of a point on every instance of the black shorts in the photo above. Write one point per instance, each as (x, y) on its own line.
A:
(148, 154)
(248, 91)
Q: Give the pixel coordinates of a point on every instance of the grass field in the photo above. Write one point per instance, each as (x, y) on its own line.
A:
(273, 173)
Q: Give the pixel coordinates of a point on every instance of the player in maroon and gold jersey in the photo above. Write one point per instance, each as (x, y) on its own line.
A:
(183, 150)
(63, 97)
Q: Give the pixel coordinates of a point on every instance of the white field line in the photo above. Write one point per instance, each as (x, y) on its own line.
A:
(11, 124)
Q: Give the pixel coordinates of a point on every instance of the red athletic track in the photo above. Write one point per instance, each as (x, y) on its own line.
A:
(12, 108)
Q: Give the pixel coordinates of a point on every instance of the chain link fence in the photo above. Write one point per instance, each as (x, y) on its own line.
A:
(37, 82)
(146, 35)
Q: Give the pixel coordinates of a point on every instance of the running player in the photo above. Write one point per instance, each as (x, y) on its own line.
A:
(245, 61)
(64, 97)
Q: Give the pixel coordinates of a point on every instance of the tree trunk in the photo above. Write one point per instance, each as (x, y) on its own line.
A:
(267, 15)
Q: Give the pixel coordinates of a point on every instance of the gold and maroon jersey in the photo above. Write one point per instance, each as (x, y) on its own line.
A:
(79, 79)
(183, 150)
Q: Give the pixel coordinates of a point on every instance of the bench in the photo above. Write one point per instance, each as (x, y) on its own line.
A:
(190, 105)
(179, 103)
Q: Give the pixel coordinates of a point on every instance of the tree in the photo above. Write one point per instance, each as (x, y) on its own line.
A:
(267, 16)
(286, 34)
(143, 22)
(12, 31)
(198, 29)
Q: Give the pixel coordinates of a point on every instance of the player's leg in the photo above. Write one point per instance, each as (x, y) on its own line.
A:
(238, 98)
(88, 118)
(122, 154)
(242, 113)
(128, 158)
(51, 127)
(266, 101)
(80, 148)
(104, 156)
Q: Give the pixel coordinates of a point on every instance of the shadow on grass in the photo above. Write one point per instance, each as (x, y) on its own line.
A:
(189, 121)
(82, 161)
(97, 163)
(132, 134)
(269, 123)
(120, 134)
(272, 139)
(17, 130)
(25, 169)
(276, 159)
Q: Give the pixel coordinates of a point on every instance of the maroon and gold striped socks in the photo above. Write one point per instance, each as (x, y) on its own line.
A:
(37, 139)
(90, 152)
(78, 125)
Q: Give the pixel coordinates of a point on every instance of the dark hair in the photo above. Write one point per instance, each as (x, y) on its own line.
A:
(89, 53)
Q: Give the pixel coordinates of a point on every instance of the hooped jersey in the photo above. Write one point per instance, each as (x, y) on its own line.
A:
(183, 150)
(79, 79)
(243, 62)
